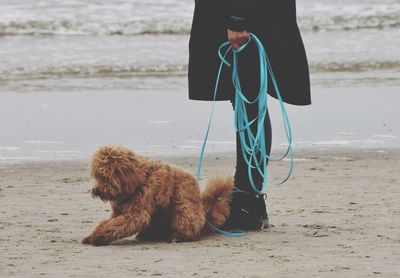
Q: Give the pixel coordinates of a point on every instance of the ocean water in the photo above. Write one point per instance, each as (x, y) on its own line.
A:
(75, 74)
(76, 45)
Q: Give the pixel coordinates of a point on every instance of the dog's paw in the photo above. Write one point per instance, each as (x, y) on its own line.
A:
(87, 240)
(100, 241)
(172, 239)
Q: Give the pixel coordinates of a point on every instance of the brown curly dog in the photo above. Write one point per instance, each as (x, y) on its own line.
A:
(153, 199)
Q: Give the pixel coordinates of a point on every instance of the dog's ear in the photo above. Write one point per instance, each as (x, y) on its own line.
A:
(131, 171)
(129, 179)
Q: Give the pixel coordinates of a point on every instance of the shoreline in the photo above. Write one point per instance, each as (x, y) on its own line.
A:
(338, 215)
(298, 153)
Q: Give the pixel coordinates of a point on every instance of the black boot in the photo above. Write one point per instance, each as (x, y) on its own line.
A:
(248, 212)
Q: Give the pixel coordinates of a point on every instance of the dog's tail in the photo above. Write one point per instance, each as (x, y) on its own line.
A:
(216, 199)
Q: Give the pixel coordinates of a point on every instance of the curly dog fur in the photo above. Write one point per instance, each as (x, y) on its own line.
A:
(153, 199)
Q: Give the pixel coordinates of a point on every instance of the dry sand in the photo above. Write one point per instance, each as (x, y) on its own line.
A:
(338, 216)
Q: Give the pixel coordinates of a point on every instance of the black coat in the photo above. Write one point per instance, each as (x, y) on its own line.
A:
(274, 22)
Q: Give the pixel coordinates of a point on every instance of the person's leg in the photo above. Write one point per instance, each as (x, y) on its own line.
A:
(248, 210)
(241, 176)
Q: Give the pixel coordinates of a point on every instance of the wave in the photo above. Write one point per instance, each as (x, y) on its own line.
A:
(71, 27)
(181, 26)
(127, 70)
(354, 66)
(90, 70)
(348, 22)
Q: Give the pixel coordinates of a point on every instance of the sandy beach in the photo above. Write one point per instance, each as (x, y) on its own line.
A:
(77, 74)
(338, 216)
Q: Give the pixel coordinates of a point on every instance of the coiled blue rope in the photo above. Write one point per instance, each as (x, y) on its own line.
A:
(256, 145)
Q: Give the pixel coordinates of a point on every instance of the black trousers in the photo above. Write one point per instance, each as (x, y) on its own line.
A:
(248, 68)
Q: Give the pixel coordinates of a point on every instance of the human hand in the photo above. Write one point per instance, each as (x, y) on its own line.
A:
(238, 38)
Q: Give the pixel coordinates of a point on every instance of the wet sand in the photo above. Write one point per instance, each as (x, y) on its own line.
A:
(338, 216)
(59, 125)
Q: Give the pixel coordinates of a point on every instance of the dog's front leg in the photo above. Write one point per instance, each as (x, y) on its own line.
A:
(120, 227)
(89, 238)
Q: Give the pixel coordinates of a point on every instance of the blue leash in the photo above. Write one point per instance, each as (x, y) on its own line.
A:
(256, 142)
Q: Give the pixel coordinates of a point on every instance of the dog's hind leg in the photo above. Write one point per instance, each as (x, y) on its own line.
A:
(159, 228)
(187, 218)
